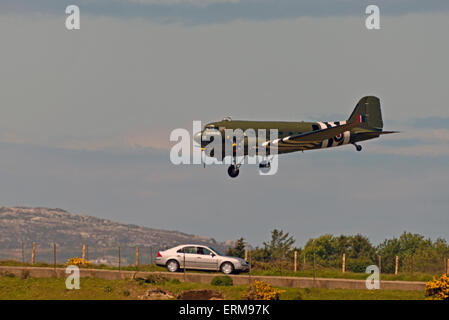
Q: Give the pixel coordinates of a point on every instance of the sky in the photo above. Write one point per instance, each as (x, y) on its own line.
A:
(87, 114)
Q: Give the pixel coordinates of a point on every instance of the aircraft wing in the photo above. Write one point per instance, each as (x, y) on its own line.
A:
(311, 139)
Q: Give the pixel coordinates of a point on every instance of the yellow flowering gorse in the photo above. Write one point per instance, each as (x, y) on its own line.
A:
(261, 290)
(438, 289)
(75, 261)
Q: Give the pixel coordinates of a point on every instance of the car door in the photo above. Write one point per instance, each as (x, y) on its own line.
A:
(206, 260)
(189, 255)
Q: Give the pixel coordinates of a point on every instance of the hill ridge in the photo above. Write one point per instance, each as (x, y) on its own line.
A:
(70, 231)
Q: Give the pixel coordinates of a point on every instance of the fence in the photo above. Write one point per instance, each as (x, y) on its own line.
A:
(123, 255)
(311, 264)
(119, 255)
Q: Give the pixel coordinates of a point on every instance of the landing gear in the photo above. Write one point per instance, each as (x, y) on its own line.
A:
(357, 147)
(233, 171)
(264, 166)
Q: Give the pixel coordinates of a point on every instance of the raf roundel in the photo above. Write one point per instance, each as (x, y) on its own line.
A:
(338, 137)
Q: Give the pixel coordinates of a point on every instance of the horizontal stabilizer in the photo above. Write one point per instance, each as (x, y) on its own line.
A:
(316, 136)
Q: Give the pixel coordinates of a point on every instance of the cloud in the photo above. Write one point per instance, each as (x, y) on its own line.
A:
(429, 150)
(225, 11)
(324, 191)
(414, 142)
(155, 139)
(423, 135)
(119, 83)
(431, 122)
(199, 3)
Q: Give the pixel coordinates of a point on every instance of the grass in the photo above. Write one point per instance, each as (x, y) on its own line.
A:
(15, 288)
(320, 273)
(144, 268)
(332, 273)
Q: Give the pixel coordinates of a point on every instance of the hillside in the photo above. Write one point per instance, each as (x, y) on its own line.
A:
(70, 231)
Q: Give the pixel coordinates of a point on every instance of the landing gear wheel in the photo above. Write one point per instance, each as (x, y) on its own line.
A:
(233, 171)
(264, 167)
(358, 147)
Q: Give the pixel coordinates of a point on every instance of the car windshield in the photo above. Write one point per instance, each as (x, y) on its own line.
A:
(216, 251)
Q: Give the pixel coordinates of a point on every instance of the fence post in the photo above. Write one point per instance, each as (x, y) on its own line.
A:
(23, 255)
(447, 266)
(249, 266)
(84, 254)
(54, 256)
(294, 262)
(137, 256)
(33, 253)
(304, 262)
(314, 269)
(444, 265)
(280, 266)
(396, 266)
(119, 259)
(184, 264)
(343, 263)
(246, 254)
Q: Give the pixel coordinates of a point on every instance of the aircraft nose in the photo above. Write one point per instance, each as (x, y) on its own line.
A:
(197, 137)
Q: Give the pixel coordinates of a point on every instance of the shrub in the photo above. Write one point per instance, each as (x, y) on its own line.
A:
(438, 289)
(25, 275)
(261, 290)
(222, 281)
(108, 289)
(152, 279)
(175, 281)
(75, 261)
(126, 293)
(358, 265)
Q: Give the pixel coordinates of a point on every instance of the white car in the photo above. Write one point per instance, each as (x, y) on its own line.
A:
(201, 258)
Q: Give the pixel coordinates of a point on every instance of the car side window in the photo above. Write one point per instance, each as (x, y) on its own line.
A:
(187, 250)
(204, 251)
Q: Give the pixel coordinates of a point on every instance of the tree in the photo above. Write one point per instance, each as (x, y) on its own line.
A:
(408, 247)
(238, 250)
(328, 251)
(324, 247)
(279, 245)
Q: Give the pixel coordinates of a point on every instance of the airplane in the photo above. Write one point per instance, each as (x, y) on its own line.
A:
(365, 123)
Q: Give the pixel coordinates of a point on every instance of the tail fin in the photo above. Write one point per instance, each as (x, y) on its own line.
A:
(370, 107)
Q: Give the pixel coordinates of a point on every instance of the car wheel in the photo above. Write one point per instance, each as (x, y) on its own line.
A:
(227, 268)
(172, 265)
